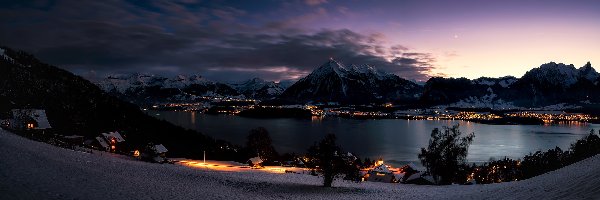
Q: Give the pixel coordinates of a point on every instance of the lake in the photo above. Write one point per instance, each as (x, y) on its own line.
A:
(394, 140)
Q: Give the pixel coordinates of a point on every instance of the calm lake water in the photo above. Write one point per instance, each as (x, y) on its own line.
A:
(395, 140)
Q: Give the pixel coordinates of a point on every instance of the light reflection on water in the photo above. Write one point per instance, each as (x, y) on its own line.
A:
(393, 139)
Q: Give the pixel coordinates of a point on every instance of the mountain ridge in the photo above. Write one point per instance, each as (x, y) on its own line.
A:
(333, 81)
(550, 83)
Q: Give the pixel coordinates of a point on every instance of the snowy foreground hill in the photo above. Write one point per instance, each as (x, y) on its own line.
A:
(34, 170)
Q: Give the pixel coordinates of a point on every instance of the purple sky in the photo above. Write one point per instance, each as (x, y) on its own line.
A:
(277, 40)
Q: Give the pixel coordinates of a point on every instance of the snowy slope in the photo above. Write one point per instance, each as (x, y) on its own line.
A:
(34, 170)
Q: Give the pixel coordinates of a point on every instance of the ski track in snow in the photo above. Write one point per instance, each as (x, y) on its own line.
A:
(35, 170)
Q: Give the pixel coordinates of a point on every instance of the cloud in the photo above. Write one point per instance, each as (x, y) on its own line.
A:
(314, 2)
(215, 41)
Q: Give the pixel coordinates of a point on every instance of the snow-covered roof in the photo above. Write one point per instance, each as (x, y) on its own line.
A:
(255, 160)
(39, 116)
(116, 135)
(159, 148)
(399, 176)
(382, 169)
(414, 176)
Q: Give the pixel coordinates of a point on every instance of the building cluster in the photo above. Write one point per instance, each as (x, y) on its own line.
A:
(34, 123)
(382, 112)
(408, 174)
(27, 119)
(553, 116)
(474, 116)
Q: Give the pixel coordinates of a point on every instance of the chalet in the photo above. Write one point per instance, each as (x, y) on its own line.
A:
(159, 151)
(255, 162)
(102, 143)
(113, 137)
(420, 178)
(381, 173)
(5, 123)
(416, 175)
(28, 119)
(408, 170)
(152, 153)
(108, 141)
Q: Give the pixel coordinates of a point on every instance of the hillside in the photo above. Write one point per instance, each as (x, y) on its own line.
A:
(76, 106)
(34, 170)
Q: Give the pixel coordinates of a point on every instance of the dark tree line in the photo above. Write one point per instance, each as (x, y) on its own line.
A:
(445, 156)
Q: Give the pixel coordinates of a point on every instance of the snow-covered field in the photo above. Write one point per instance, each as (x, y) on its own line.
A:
(34, 170)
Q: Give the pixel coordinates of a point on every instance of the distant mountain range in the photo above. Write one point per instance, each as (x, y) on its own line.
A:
(142, 88)
(551, 83)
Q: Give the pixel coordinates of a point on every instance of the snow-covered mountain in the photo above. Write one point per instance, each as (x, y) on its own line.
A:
(550, 84)
(559, 74)
(143, 88)
(154, 88)
(123, 83)
(335, 82)
(504, 82)
(258, 88)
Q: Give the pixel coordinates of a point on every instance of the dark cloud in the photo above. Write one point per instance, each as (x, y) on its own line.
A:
(188, 37)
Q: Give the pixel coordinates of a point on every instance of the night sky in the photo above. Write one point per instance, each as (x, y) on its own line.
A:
(278, 40)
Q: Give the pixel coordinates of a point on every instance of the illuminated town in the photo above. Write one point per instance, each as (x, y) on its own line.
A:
(234, 106)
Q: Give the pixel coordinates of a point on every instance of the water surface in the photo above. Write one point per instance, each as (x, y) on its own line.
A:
(394, 140)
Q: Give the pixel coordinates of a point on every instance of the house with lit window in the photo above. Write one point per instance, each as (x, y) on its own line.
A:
(255, 162)
(109, 141)
(160, 152)
(153, 153)
(28, 119)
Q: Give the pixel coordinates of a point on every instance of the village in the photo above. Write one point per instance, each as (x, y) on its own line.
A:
(34, 124)
(388, 111)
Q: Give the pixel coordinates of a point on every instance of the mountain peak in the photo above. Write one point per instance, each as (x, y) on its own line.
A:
(330, 66)
(588, 72)
(561, 74)
(256, 80)
(333, 81)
